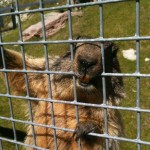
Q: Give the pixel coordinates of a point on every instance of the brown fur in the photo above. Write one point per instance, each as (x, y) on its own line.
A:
(87, 67)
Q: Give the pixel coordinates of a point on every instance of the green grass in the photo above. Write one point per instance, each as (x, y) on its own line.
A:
(119, 21)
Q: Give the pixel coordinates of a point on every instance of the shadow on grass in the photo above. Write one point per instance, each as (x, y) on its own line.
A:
(8, 133)
(7, 29)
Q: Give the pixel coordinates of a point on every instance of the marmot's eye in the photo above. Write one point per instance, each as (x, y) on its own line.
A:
(82, 62)
(86, 64)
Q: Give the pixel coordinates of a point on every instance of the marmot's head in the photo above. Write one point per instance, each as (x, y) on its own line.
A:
(88, 63)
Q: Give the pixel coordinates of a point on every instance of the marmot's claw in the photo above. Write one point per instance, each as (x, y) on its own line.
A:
(83, 128)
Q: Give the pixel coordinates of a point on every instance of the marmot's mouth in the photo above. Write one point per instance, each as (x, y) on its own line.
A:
(84, 84)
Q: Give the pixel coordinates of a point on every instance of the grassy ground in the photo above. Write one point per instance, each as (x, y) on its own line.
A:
(119, 21)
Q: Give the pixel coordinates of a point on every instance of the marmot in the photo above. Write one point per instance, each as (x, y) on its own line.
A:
(87, 67)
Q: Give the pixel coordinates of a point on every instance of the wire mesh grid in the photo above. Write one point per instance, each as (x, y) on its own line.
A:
(44, 42)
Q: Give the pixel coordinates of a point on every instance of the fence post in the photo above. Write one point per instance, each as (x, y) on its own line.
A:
(1, 22)
(13, 17)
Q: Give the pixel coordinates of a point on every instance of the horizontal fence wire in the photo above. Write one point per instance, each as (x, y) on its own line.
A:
(72, 73)
(64, 7)
(9, 8)
(132, 38)
(137, 38)
(134, 109)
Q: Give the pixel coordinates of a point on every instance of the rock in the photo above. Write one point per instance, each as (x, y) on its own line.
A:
(23, 17)
(147, 59)
(53, 23)
(4, 3)
(129, 54)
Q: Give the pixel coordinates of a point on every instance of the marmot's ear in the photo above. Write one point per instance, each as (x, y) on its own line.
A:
(110, 49)
(75, 45)
(114, 50)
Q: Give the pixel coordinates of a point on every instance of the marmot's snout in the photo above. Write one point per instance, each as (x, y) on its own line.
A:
(85, 68)
(87, 64)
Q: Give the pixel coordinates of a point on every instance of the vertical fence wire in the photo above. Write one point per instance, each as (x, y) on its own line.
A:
(138, 71)
(25, 74)
(9, 93)
(1, 145)
(1, 50)
(48, 75)
(10, 101)
(72, 57)
(103, 78)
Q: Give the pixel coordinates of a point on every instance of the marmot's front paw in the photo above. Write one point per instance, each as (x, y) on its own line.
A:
(83, 128)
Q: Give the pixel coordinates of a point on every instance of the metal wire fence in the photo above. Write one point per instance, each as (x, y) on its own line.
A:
(45, 42)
